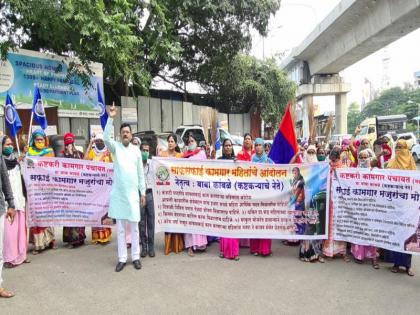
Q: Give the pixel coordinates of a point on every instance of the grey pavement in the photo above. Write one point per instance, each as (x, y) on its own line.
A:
(83, 281)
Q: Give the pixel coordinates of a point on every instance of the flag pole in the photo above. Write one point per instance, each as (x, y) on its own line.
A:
(17, 144)
(30, 127)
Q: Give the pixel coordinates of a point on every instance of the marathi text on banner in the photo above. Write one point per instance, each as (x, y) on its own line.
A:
(378, 208)
(67, 192)
(239, 199)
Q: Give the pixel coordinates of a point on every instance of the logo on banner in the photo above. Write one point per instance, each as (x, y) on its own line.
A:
(10, 114)
(101, 109)
(162, 173)
(39, 108)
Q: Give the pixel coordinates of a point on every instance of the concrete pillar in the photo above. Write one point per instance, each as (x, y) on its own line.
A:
(341, 113)
(307, 101)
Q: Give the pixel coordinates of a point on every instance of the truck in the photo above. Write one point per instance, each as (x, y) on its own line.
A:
(376, 127)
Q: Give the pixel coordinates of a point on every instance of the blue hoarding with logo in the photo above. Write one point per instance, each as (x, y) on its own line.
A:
(24, 69)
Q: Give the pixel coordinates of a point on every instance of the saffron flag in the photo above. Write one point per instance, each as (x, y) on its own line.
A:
(103, 115)
(285, 144)
(38, 109)
(12, 117)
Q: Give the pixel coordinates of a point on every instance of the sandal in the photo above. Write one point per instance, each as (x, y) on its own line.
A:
(221, 255)
(27, 261)
(6, 294)
(35, 252)
(190, 252)
(358, 261)
(236, 258)
(395, 269)
(53, 245)
(346, 258)
(410, 272)
(321, 259)
(255, 254)
(375, 264)
(8, 265)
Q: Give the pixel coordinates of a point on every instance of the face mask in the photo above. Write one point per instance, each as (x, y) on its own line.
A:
(7, 151)
(192, 147)
(39, 146)
(144, 155)
(100, 146)
(321, 158)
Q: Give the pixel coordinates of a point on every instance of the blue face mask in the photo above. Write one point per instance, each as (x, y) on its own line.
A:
(192, 146)
(7, 151)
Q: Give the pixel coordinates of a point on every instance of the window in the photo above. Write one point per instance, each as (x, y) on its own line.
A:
(179, 131)
(196, 133)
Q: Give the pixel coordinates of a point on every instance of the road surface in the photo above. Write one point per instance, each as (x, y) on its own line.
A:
(83, 281)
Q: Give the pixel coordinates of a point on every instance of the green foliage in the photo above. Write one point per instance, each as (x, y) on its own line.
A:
(353, 117)
(137, 40)
(393, 101)
(247, 83)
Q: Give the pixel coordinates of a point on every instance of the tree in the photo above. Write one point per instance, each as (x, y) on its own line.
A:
(353, 116)
(247, 83)
(137, 40)
(395, 101)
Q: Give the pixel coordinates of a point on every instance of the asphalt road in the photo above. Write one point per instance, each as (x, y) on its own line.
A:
(83, 281)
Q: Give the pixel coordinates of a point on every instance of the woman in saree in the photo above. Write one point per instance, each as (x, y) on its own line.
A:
(229, 247)
(194, 241)
(403, 161)
(97, 151)
(174, 242)
(15, 243)
(73, 236)
(41, 237)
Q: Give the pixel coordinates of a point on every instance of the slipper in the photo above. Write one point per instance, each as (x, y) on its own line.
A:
(35, 252)
(410, 272)
(6, 294)
(321, 260)
(8, 265)
(27, 261)
(395, 269)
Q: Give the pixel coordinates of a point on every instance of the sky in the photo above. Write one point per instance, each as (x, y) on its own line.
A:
(297, 18)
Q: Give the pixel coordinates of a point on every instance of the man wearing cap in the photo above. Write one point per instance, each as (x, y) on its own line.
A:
(72, 236)
(124, 202)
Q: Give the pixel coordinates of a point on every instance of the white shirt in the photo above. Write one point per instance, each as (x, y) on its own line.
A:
(148, 174)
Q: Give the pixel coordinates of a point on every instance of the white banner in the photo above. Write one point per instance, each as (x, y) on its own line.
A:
(239, 199)
(67, 192)
(377, 207)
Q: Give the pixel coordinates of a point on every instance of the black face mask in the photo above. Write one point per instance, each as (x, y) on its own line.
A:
(100, 146)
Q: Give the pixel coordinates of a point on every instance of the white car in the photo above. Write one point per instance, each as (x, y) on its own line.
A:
(415, 151)
(409, 137)
(198, 131)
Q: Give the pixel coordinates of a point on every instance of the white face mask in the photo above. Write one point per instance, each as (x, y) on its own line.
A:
(192, 146)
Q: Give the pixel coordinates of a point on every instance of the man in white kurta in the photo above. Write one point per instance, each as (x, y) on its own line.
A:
(128, 183)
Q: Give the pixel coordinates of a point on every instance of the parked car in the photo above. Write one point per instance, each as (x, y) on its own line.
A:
(410, 137)
(156, 140)
(415, 151)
